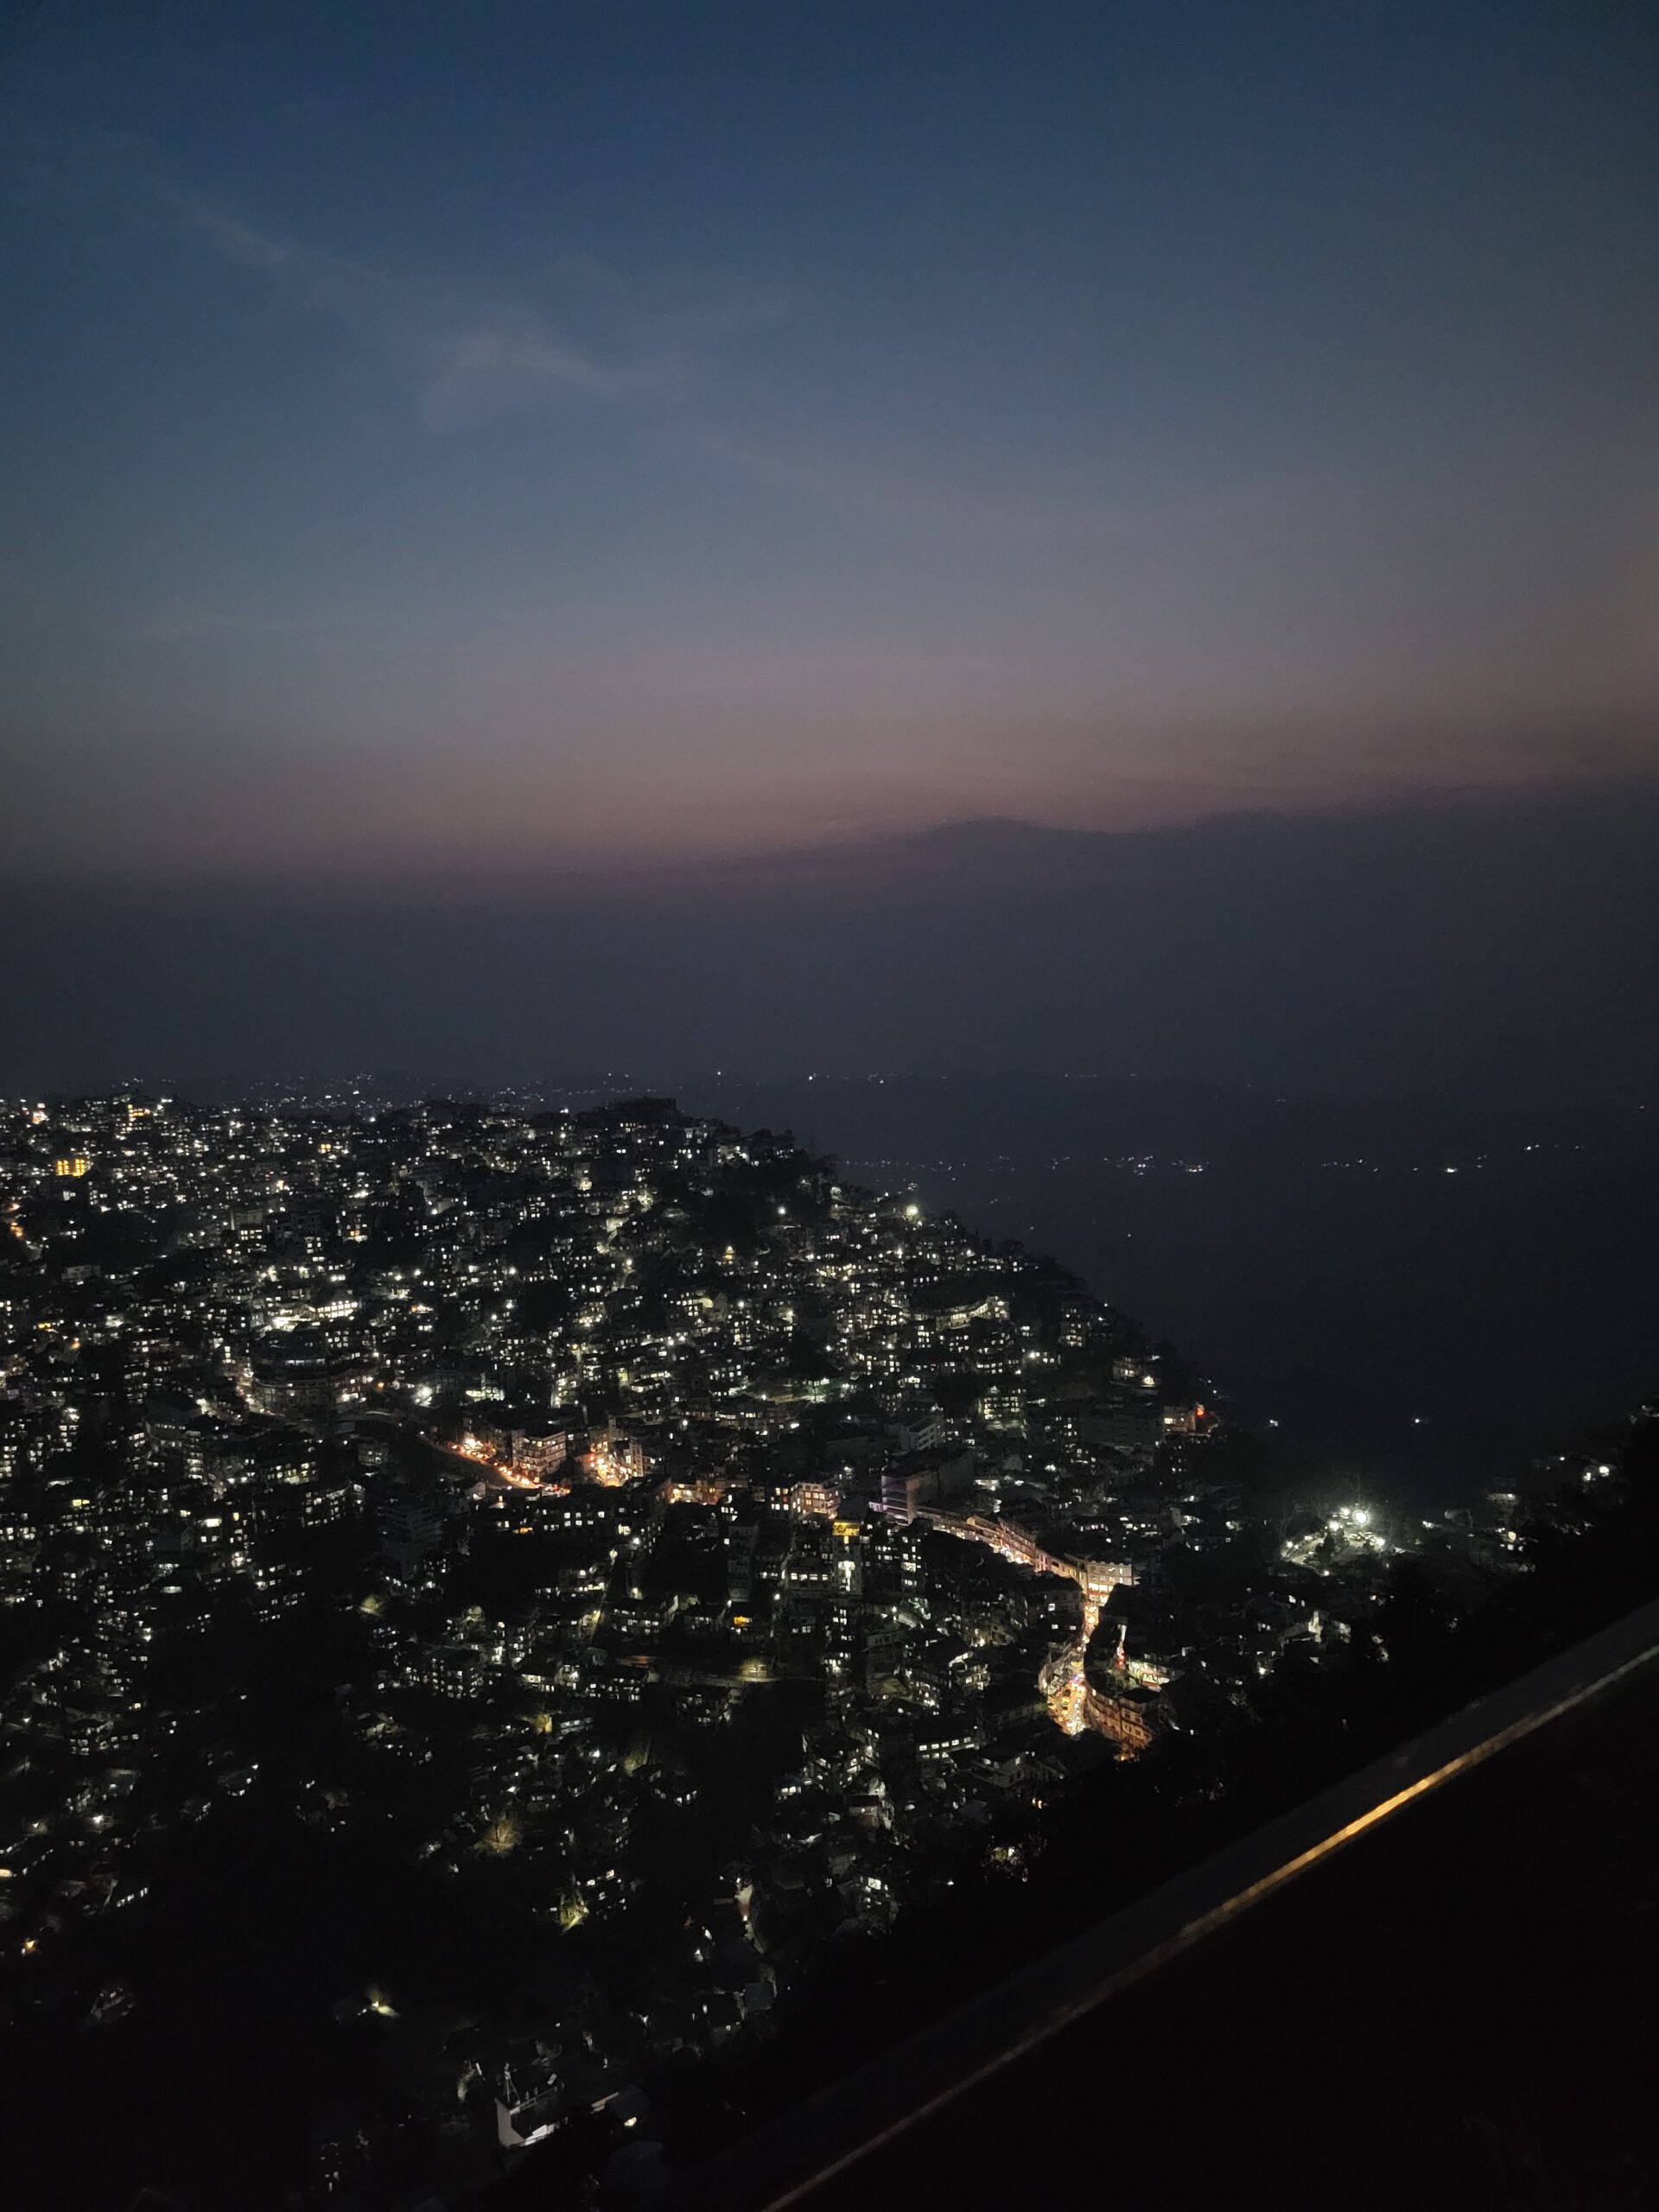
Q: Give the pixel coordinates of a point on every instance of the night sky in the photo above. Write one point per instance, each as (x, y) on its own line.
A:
(451, 448)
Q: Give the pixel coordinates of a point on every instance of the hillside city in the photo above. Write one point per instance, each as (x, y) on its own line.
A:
(577, 1572)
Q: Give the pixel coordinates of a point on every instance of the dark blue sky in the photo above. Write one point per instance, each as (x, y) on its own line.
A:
(489, 438)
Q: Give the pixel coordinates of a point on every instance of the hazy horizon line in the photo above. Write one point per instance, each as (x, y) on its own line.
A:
(399, 880)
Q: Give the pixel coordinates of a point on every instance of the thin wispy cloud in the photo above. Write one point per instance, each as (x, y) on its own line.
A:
(459, 350)
(671, 344)
(860, 486)
(651, 342)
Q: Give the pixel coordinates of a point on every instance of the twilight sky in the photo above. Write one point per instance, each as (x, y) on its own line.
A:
(459, 441)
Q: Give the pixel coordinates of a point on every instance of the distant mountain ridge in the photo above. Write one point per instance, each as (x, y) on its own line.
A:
(1498, 948)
